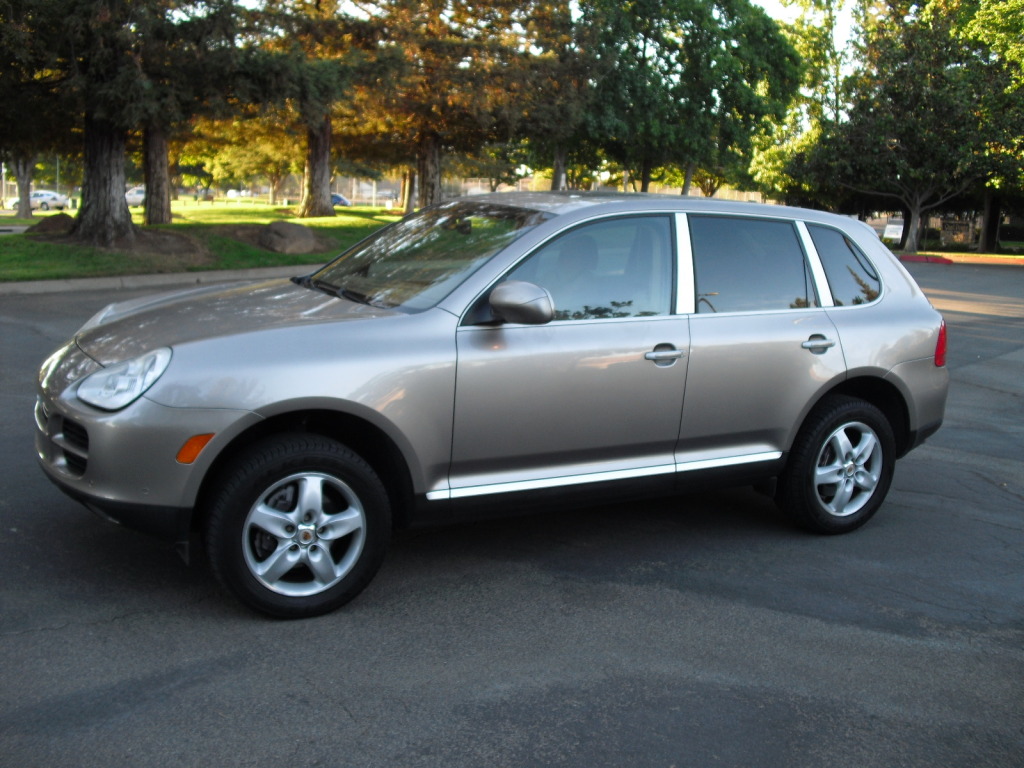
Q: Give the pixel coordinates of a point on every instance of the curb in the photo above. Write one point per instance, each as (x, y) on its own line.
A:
(966, 259)
(177, 279)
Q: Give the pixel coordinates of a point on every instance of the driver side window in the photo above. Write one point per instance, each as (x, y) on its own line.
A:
(608, 269)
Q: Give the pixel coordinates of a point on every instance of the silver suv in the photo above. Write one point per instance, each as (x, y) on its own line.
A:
(488, 353)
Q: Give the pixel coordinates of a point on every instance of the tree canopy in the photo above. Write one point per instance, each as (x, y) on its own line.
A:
(923, 108)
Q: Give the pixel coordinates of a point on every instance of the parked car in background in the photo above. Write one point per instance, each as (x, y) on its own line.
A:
(339, 200)
(135, 196)
(492, 353)
(44, 200)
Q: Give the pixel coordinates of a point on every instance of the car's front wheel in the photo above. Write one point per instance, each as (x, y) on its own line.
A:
(44, 206)
(840, 467)
(298, 527)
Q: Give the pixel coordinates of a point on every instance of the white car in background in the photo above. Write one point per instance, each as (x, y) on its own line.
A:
(135, 196)
(44, 200)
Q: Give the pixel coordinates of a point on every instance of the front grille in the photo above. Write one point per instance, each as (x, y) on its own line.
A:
(68, 448)
(76, 435)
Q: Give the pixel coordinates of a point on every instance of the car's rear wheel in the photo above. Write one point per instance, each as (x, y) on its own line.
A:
(298, 527)
(840, 468)
(45, 206)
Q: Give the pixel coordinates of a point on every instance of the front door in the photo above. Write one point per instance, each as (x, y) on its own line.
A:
(595, 394)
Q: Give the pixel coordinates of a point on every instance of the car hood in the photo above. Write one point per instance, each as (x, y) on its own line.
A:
(127, 329)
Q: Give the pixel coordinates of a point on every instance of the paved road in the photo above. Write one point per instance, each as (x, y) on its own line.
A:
(698, 631)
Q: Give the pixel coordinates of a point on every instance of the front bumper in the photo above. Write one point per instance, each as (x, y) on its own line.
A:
(122, 465)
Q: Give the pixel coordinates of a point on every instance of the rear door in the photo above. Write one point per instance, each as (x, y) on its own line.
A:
(762, 349)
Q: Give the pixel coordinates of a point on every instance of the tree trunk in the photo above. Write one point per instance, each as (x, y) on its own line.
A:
(645, 176)
(157, 174)
(411, 192)
(914, 233)
(316, 193)
(990, 223)
(23, 166)
(688, 179)
(403, 194)
(104, 219)
(429, 170)
(558, 181)
(905, 234)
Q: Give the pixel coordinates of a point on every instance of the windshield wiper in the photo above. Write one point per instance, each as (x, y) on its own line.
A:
(359, 298)
(332, 290)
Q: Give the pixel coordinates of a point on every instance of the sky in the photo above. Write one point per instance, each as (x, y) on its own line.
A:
(780, 12)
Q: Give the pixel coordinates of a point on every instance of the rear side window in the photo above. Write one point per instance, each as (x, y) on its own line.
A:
(749, 265)
(851, 277)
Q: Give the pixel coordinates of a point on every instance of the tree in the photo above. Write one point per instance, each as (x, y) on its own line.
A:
(259, 142)
(313, 55)
(999, 24)
(125, 65)
(36, 119)
(685, 81)
(777, 165)
(916, 132)
(188, 58)
(561, 87)
(459, 71)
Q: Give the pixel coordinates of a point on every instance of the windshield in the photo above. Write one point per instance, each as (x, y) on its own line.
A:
(416, 262)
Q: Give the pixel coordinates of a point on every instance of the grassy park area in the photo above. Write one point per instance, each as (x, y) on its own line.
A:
(224, 236)
(204, 236)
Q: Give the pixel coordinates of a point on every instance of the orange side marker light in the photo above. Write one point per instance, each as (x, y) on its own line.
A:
(192, 448)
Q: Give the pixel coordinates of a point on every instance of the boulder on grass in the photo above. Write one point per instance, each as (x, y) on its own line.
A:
(286, 237)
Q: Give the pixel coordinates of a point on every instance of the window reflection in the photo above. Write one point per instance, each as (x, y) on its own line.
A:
(749, 265)
(851, 277)
(609, 269)
(416, 262)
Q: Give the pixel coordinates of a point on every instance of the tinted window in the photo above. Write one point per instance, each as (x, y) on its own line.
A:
(851, 277)
(614, 268)
(748, 265)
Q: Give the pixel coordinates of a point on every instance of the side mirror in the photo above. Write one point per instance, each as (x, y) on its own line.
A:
(515, 301)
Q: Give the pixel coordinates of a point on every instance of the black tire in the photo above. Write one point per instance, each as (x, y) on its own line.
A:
(288, 559)
(848, 441)
(44, 206)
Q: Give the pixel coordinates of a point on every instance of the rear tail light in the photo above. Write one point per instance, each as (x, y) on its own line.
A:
(940, 346)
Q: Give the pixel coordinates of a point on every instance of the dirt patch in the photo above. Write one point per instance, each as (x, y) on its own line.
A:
(57, 224)
(156, 250)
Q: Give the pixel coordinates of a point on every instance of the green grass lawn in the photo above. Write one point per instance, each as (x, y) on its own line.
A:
(31, 257)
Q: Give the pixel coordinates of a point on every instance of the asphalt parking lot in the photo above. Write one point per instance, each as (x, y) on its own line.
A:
(694, 631)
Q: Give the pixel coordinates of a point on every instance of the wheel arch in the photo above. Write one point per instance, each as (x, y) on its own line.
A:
(369, 441)
(887, 398)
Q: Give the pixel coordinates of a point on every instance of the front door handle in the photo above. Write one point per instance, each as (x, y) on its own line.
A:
(818, 344)
(664, 355)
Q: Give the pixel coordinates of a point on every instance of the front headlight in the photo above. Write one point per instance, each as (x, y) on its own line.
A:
(121, 384)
